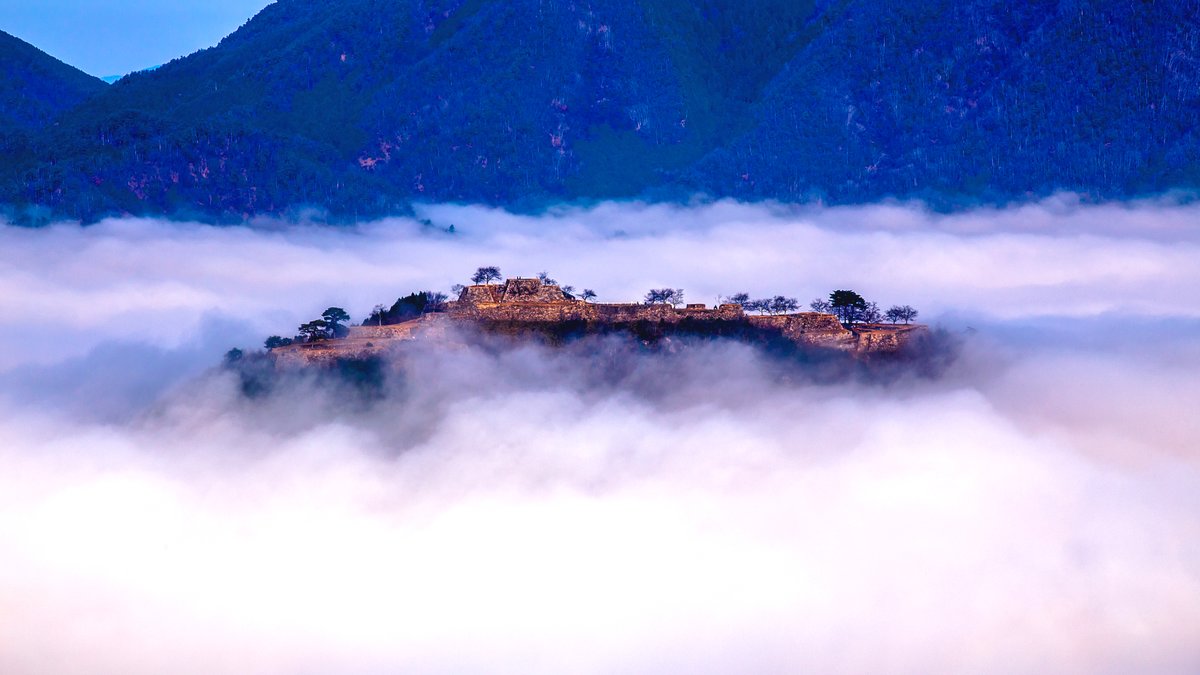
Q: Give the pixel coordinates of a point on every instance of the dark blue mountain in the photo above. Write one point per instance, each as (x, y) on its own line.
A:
(35, 88)
(362, 106)
(974, 99)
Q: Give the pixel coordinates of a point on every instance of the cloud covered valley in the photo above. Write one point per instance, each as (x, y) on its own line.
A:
(1034, 508)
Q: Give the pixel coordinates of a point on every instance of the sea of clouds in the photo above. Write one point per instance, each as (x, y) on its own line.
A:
(1036, 508)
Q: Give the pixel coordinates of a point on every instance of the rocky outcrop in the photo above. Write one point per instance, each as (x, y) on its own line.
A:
(886, 339)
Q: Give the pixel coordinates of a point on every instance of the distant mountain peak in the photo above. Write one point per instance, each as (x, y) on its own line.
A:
(35, 87)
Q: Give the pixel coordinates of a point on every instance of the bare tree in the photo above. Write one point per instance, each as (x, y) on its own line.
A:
(740, 299)
(664, 296)
(870, 314)
(587, 295)
(486, 275)
(821, 306)
(903, 313)
(782, 305)
(762, 306)
(435, 301)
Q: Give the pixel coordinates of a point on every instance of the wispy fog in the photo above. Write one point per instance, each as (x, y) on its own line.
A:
(1034, 509)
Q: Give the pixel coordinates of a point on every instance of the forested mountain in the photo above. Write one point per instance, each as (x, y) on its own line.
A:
(978, 98)
(362, 106)
(35, 87)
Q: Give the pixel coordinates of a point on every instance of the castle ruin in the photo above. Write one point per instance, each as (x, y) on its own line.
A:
(530, 306)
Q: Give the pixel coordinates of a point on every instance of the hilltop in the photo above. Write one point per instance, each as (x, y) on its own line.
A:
(535, 309)
(35, 88)
(361, 107)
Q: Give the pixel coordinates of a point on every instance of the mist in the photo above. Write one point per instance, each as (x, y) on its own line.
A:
(521, 508)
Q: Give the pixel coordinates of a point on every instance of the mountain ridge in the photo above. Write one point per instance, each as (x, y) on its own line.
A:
(362, 107)
(36, 87)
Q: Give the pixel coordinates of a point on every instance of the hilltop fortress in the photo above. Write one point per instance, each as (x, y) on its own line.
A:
(530, 307)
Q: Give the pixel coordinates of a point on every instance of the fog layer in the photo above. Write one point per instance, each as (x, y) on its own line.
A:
(1036, 508)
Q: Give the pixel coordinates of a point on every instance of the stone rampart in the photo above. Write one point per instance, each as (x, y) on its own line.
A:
(808, 328)
(880, 339)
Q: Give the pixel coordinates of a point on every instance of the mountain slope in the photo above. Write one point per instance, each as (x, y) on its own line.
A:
(362, 106)
(978, 99)
(35, 87)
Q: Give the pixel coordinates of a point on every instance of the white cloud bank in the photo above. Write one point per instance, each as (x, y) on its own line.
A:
(1035, 510)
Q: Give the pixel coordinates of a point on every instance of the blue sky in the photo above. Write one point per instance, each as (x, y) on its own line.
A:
(114, 37)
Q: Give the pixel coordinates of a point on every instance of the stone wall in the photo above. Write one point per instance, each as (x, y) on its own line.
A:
(887, 339)
(808, 328)
(480, 294)
(577, 310)
(513, 291)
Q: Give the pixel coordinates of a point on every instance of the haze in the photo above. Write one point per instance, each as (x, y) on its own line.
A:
(1034, 509)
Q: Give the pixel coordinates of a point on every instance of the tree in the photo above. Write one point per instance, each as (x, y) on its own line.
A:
(664, 296)
(847, 305)
(314, 330)
(587, 294)
(781, 305)
(870, 314)
(233, 356)
(334, 317)
(740, 299)
(486, 275)
(435, 301)
(903, 313)
(545, 279)
(274, 342)
(821, 306)
(456, 290)
(762, 306)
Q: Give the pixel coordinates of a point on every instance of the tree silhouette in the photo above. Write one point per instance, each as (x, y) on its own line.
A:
(782, 305)
(587, 294)
(762, 306)
(847, 305)
(740, 299)
(334, 317)
(486, 275)
(664, 296)
(903, 313)
(435, 301)
(870, 314)
(314, 330)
